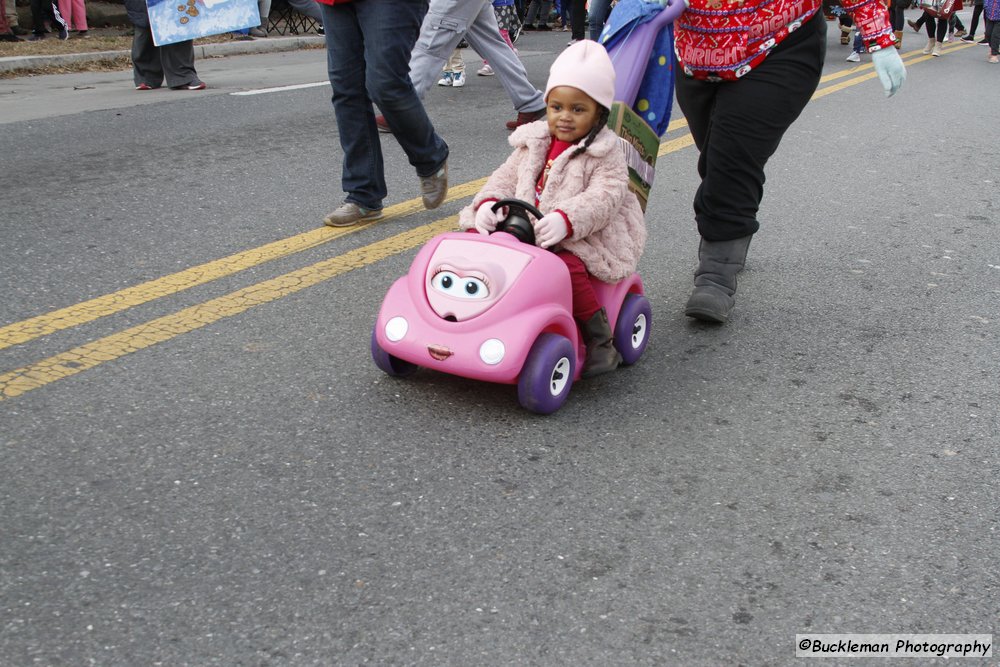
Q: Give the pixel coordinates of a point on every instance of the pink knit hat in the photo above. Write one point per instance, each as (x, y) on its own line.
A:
(587, 67)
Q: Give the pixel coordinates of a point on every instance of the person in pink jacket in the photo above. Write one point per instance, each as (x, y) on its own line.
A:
(572, 167)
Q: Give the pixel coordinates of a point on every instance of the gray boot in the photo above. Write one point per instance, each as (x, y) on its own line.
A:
(602, 357)
(715, 279)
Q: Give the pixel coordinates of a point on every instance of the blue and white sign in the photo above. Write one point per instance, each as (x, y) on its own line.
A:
(174, 21)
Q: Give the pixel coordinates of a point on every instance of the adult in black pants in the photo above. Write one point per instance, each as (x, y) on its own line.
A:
(578, 19)
(937, 30)
(738, 110)
(42, 11)
(152, 64)
(977, 11)
(898, 19)
(734, 145)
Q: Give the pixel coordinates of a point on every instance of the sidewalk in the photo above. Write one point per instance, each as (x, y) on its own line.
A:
(110, 18)
(266, 45)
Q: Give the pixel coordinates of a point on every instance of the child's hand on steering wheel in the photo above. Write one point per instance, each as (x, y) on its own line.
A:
(550, 230)
(487, 219)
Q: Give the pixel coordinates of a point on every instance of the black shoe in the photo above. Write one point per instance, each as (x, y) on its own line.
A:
(527, 27)
(544, 28)
(320, 30)
(37, 37)
(983, 41)
(19, 31)
(968, 38)
(10, 37)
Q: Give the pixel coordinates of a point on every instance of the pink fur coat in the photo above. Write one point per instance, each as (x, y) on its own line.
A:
(609, 230)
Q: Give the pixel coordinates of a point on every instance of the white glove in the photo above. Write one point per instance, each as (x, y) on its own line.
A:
(890, 69)
(550, 230)
(487, 218)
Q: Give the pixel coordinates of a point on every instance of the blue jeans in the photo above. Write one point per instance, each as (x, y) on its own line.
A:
(368, 45)
(597, 15)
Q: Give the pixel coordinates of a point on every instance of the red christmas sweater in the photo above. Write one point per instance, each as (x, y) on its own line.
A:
(725, 39)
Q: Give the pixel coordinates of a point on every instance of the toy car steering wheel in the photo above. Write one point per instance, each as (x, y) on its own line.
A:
(517, 223)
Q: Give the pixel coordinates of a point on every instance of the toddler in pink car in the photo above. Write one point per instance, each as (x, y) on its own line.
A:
(572, 167)
(547, 292)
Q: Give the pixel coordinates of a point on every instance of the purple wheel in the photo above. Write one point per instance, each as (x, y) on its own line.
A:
(547, 376)
(632, 328)
(392, 365)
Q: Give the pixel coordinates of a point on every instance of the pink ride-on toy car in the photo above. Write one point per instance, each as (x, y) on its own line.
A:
(498, 309)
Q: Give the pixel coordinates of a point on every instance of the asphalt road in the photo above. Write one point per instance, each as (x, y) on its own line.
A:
(202, 466)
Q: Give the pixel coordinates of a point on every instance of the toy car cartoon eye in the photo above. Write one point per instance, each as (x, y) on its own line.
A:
(460, 287)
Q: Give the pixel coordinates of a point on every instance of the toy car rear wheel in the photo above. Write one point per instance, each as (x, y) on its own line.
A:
(547, 375)
(632, 328)
(392, 365)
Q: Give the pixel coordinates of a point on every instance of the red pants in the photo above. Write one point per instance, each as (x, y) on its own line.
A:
(585, 303)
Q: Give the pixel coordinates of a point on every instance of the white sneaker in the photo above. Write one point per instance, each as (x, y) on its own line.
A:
(485, 70)
(458, 79)
(445, 79)
(854, 58)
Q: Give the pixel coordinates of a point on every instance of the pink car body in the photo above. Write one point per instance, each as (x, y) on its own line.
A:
(475, 306)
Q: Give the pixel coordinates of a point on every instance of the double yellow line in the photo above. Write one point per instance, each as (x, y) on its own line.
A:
(21, 380)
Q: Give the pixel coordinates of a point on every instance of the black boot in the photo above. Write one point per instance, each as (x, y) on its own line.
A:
(715, 279)
(602, 357)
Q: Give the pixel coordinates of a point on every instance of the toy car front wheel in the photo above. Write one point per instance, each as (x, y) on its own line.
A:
(547, 375)
(632, 328)
(392, 365)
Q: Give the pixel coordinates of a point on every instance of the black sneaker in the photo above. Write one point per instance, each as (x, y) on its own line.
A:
(37, 37)
(10, 37)
(983, 41)
(968, 38)
(19, 31)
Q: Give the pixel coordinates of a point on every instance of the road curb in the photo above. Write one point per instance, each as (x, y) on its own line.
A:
(267, 45)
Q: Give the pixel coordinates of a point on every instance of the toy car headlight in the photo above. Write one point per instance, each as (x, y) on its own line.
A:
(396, 328)
(492, 351)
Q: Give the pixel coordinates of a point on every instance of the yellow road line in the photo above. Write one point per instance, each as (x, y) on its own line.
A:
(909, 59)
(87, 311)
(161, 329)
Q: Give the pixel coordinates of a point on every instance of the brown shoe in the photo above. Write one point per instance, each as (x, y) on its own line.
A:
(434, 188)
(382, 125)
(523, 118)
(350, 213)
